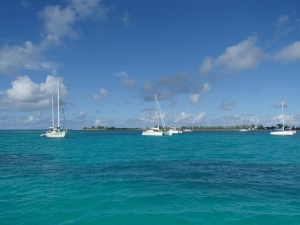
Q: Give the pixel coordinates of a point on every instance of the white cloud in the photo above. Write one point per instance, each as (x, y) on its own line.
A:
(82, 115)
(125, 19)
(245, 55)
(59, 21)
(25, 3)
(25, 95)
(128, 82)
(121, 74)
(31, 119)
(202, 116)
(195, 98)
(207, 66)
(282, 20)
(28, 56)
(102, 94)
(167, 87)
(184, 116)
(226, 105)
(280, 104)
(289, 53)
(254, 120)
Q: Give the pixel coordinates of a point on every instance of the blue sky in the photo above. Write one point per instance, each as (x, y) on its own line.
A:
(212, 62)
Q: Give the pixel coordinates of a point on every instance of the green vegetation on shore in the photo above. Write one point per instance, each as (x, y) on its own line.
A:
(236, 127)
(109, 128)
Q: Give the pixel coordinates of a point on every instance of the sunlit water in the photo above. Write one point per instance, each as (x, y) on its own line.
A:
(122, 177)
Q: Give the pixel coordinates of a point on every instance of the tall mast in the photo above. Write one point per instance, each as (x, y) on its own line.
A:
(175, 122)
(156, 103)
(58, 117)
(282, 115)
(52, 114)
(160, 114)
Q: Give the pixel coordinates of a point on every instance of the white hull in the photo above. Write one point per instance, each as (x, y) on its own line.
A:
(54, 134)
(283, 132)
(168, 133)
(243, 130)
(174, 131)
(152, 133)
(187, 130)
(156, 133)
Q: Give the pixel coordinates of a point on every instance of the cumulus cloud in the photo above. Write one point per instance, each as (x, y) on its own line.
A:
(32, 119)
(121, 74)
(195, 98)
(82, 115)
(289, 53)
(25, 4)
(13, 58)
(202, 116)
(226, 105)
(283, 27)
(58, 23)
(280, 104)
(125, 19)
(128, 82)
(25, 95)
(245, 55)
(184, 116)
(168, 86)
(254, 119)
(102, 94)
(282, 20)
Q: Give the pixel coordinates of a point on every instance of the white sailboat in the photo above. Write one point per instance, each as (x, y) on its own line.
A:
(282, 131)
(155, 131)
(56, 132)
(244, 129)
(187, 129)
(174, 130)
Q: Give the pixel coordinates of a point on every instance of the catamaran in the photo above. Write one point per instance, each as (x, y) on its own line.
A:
(282, 131)
(56, 132)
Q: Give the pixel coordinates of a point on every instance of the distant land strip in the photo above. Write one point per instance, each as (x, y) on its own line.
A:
(237, 127)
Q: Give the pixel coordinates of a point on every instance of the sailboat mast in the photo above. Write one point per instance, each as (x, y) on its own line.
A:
(160, 114)
(156, 104)
(58, 117)
(282, 115)
(175, 122)
(52, 114)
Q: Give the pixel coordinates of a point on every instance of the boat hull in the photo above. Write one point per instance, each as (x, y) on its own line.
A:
(174, 131)
(168, 133)
(152, 133)
(282, 132)
(60, 134)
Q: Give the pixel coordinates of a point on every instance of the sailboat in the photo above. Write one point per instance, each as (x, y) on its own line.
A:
(56, 132)
(174, 130)
(187, 129)
(155, 131)
(282, 131)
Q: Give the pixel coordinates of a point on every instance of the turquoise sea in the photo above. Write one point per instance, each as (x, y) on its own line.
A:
(122, 177)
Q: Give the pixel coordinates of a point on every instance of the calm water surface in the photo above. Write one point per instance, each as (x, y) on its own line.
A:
(122, 177)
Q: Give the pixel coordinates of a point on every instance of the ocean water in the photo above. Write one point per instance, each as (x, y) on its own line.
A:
(122, 177)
